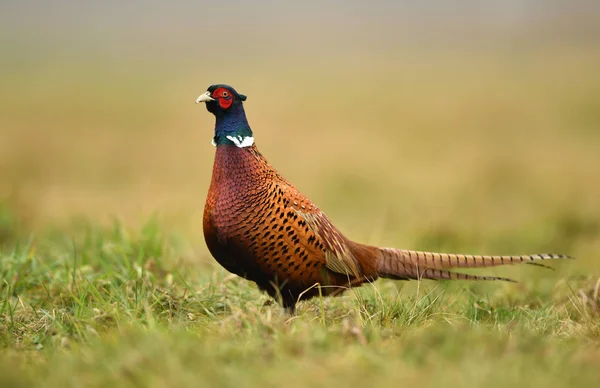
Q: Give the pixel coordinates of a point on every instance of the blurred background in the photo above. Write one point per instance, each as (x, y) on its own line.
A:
(471, 125)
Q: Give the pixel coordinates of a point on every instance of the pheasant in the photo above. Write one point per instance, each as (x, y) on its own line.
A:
(259, 226)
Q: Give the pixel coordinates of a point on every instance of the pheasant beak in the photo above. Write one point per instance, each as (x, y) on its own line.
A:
(204, 97)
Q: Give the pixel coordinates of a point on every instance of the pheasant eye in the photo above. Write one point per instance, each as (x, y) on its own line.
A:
(224, 94)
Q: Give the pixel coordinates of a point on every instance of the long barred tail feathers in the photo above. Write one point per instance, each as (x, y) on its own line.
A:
(407, 264)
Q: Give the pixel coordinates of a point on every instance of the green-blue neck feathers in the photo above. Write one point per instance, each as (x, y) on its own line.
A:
(232, 127)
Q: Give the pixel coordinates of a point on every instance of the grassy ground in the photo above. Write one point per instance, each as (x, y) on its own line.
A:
(116, 306)
(476, 151)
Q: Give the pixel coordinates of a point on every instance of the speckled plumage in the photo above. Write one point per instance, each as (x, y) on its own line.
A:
(259, 226)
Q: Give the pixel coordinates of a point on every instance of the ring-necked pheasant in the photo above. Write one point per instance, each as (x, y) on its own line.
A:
(259, 226)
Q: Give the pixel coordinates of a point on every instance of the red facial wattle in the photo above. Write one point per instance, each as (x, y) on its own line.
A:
(225, 102)
(224, 97)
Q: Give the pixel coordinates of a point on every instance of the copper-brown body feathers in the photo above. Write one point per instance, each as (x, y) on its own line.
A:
(259, 226)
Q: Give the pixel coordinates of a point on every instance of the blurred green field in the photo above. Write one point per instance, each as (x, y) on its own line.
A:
(105, 162)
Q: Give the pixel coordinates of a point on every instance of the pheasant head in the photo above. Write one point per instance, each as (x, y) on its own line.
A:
(231, 125)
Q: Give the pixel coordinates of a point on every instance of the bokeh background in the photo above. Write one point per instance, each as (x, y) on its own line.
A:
(471, 125)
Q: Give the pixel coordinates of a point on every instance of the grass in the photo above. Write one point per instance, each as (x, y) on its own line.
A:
(115, 306)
